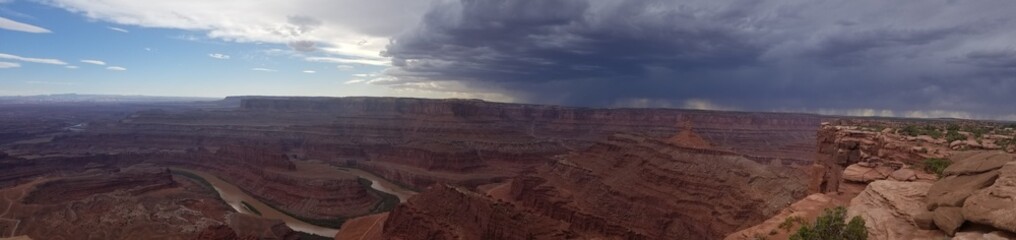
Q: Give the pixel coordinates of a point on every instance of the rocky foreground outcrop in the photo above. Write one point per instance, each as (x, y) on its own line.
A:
(890, 210)
(972, 173)
(806, 210)
(995, 205)
(852, 153)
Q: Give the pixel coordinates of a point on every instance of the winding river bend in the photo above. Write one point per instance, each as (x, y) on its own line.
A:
(236, 198)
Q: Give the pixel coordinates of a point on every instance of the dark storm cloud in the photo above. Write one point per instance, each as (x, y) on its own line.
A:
(757, 55)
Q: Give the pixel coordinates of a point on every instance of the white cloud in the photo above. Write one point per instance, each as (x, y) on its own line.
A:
(115, 68)
(218, 55)
(355, 81)
(344, 67)
(21, 27)
(378, 62)
(32, 60)
(96, 62)
(71, 67)
(338, 26)
(9, 65)
(50, 83)
(264, 70)
(148, 49)
(118, 29)
(309, 71)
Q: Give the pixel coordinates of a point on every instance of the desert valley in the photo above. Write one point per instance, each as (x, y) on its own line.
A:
(404, 168)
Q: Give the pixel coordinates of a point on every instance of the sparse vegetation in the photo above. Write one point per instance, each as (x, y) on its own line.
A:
(954, 135)
(873, 127)
(915, 130)
(952, 127)
(790, 221)
(978, 132)
(831, 226)
(936, 165)
(1005, 143)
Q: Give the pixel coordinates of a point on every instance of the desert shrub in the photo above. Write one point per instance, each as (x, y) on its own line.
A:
(910, 130)
(978, 132)
(936, 165)
(831, 226)
(1005, 143)
(952, 136)
(914, 130)
(953, 127)
(790, 221)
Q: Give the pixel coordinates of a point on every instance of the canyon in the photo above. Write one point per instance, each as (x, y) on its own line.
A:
(404, 168)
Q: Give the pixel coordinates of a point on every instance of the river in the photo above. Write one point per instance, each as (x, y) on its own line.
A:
(233, 196)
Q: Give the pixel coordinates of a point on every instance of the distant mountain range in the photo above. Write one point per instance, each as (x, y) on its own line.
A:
(96, 98)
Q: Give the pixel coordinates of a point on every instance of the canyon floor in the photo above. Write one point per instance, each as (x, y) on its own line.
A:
(401, 168)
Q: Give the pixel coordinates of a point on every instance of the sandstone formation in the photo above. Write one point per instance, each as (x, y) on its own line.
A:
(984, 235)
(995, 205)
(844, 146)
(952, 191)
(858, 173)
(889, 210)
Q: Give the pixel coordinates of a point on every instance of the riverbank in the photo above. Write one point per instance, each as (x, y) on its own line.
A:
(391, 194)
(235, 198)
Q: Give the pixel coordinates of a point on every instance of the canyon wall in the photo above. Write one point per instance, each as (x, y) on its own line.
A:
(625, 187)
(681, 172)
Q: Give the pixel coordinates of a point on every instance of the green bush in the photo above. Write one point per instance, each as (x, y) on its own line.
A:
(910, 130)
(952, 136)
(831, 226)
(978, 132)
(914, 130)
(790, 221)
(953, 127)
(936, 165)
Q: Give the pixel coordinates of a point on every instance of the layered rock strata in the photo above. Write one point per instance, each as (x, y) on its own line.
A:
(667, 191)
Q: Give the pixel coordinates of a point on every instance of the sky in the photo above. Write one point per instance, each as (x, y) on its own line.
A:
(908, 58)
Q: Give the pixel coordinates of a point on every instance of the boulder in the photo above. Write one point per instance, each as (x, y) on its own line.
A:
(995, 205)
(904, 175)
(951, 191)
(978, 163)
(858, 173)
(889, 210)
(948, 219)
(925, 220)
